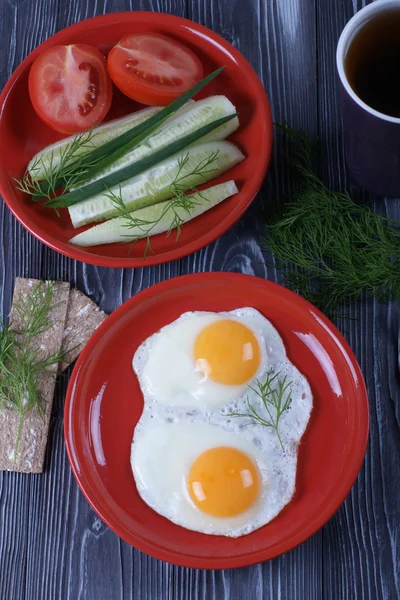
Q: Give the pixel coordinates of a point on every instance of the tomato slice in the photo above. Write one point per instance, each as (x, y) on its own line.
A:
(152, 68)
(70, 88)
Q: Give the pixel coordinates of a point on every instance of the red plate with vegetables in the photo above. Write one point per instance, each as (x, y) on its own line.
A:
(169, 136)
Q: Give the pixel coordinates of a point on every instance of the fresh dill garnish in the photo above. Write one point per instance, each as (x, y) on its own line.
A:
(66, 172)
(275, 396)
(20, 363)
(330, 249)
(33, 310)
(181, 200)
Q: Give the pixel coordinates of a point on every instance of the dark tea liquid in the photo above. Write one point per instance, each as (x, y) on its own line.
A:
(372, 63)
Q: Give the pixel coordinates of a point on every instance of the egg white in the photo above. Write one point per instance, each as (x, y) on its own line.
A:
(166, 369)
(163, 453)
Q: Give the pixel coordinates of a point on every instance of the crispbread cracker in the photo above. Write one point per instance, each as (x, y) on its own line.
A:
(32, 444)
(83, 318)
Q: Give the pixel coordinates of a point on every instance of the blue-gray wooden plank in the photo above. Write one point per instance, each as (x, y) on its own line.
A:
(361, 543)
(52, 545)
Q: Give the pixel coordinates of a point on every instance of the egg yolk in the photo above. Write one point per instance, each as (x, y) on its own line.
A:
(223, 482)
(228, 352)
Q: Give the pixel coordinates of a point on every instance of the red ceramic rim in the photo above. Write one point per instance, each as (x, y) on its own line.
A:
(207, 41)
(331, 452)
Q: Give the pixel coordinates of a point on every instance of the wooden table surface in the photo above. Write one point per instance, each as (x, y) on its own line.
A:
(52, 545)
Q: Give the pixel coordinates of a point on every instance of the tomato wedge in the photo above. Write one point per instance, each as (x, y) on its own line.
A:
(153, 69)
(70, 88)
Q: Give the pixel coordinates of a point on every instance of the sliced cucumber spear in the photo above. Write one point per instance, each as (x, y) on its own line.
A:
(190, 118)
(103, 185)
(155, 219)
(49, 158)
(154, 185)
(125, 142)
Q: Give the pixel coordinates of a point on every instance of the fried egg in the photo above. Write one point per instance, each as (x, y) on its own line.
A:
(218, 479)
(198, 457)
(207, 360)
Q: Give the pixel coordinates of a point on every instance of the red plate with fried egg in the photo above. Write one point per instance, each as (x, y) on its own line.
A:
(104, 403)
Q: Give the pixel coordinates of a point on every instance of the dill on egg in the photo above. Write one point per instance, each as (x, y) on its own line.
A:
(275, 396)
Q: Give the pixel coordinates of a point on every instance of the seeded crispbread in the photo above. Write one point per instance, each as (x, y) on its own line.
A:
(33, 439)
(83, 318)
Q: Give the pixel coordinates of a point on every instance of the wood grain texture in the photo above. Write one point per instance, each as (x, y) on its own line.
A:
(361, 543)
(52, 545)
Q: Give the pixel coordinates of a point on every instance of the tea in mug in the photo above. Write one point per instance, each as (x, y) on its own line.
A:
(372, 63)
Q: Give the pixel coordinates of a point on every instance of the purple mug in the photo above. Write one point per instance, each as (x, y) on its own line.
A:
(372, 139)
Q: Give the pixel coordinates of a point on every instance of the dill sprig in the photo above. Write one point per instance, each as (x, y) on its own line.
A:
(66, 172)
(33, 311)
(330, 249)
(275, 396)
(182, 200)
(20, 363)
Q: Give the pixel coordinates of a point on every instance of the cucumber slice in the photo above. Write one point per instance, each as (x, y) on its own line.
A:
(195, 116)
(155, 219)
(154, 185)
(49, 157)
(183, 122)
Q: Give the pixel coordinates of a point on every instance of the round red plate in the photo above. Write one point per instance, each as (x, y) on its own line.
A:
(104, 403)
(23, 134)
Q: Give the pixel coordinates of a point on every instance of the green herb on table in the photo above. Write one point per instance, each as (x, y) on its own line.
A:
(180, 200)
(275, 396)
(330, 249)
(20, 364)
